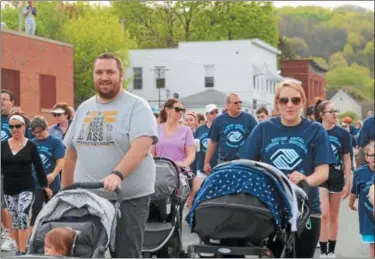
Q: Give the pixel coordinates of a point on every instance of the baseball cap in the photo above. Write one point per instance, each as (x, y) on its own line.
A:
(209, 108)
(58, 111)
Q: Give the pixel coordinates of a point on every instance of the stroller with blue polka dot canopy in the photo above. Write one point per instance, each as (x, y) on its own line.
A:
(242, 207)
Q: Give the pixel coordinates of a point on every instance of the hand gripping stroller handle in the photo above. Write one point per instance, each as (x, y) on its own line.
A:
(91, 186)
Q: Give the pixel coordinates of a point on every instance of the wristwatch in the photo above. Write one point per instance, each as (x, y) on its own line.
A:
(119, 174)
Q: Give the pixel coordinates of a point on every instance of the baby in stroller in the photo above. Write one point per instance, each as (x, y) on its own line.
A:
(255, 207)
(59, 242)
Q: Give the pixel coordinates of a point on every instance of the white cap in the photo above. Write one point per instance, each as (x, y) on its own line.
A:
(58, 111)
(211, 107)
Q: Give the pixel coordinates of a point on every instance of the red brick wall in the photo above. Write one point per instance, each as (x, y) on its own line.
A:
(33, 56)
(313, 84)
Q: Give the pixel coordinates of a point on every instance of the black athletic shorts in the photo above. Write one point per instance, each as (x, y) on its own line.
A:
(335, 182)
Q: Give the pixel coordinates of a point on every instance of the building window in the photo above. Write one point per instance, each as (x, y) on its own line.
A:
(47, 91)
(138, 78)
(10, 80)
(209, 76)
(160, 76)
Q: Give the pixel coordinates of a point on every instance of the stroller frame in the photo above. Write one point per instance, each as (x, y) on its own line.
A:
(223, 250)
(174, 238)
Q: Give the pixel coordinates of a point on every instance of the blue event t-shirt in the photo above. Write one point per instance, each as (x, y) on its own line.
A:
(366, 133)
(299, 148)
(363, 177)
(202, 134)
(231, 133)
(50, 150)
(341, 143)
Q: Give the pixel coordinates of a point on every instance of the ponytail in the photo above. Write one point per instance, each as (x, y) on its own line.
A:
(163, 116)
(320, 105)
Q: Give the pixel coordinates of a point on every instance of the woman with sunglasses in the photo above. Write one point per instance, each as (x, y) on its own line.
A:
(339, 180)
(175, 141)
(18, 157)
(63, 115)
(298, 147)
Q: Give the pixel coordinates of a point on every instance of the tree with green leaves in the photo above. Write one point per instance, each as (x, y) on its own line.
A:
(93, 33)
(337, 60)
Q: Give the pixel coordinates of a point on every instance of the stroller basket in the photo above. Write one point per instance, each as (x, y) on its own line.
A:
(238, 216)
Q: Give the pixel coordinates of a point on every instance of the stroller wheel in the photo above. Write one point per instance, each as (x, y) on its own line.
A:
(191, 253)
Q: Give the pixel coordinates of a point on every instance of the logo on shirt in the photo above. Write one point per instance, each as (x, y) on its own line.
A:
(234, 134)
(46, 156)
(4, 135)
(286, 159)
(97, 128)
(336, 146)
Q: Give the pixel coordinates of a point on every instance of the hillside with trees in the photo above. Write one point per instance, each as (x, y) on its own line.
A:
(341, 40)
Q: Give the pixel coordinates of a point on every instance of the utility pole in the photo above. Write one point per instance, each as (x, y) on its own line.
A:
(160, 80)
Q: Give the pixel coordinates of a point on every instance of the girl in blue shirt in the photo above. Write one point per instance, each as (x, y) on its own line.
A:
(298, 147)
(334, 188)
(363, 179)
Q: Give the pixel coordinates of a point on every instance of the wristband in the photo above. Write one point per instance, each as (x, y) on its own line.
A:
(118, 174)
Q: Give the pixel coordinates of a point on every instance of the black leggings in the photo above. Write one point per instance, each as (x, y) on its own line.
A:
(40, 198)
(305, 244)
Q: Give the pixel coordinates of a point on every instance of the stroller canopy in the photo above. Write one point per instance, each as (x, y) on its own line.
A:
(167, 178)
(78, 203)
(268, 184)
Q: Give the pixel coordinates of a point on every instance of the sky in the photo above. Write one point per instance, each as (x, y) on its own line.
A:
(327, 4)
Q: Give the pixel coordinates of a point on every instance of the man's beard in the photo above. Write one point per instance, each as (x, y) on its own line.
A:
(112, 93)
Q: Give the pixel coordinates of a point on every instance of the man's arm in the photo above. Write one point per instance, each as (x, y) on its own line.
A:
(139, 149)
(69, 166)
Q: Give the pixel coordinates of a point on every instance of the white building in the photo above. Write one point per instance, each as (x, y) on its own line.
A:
(245, 67)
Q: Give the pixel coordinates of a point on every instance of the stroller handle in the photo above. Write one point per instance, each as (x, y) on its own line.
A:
(91, 186)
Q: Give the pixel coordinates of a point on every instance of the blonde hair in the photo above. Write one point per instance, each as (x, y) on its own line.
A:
(288, 83)
(369, 146)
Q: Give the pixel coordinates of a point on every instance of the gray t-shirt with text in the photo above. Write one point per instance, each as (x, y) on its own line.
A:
(102, 134)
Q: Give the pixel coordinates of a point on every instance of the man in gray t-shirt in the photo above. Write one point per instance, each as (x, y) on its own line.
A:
(109, 140)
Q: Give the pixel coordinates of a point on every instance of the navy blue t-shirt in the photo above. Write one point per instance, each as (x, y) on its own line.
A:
(5, 131)
(367, 131)
(231, 133)
(362, 179)
(341, 143)
(50, 150)
(300, 148)
(202, 134)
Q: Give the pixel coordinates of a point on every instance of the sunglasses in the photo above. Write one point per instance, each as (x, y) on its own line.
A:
(58, 114)
(17, 126)
(214, 112)
(179, 109)
(332, 111)
(294, 100)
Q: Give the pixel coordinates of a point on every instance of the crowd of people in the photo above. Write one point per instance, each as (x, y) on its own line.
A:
(113, 136)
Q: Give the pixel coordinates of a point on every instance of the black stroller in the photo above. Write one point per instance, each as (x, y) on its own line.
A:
(164, 226)
(92, 218)
(242, 208)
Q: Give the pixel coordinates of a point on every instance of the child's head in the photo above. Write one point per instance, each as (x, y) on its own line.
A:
(58, 242)
(369, 153)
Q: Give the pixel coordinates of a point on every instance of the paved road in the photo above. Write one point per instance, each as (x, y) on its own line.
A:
(349, 244)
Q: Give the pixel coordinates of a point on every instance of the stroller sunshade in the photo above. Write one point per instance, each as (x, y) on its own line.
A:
(156, 234)
(239, 216)
(91, 233)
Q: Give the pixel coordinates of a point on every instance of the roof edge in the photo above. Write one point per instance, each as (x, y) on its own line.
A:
(23, 34)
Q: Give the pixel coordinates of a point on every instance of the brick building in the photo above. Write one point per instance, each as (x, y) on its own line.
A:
(38, 71)
(311, 74)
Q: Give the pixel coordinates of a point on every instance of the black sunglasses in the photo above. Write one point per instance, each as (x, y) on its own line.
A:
(332, 111)
(17, 126)
(294, 100)
(58, 114)
(214, 112)
(179, 109)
